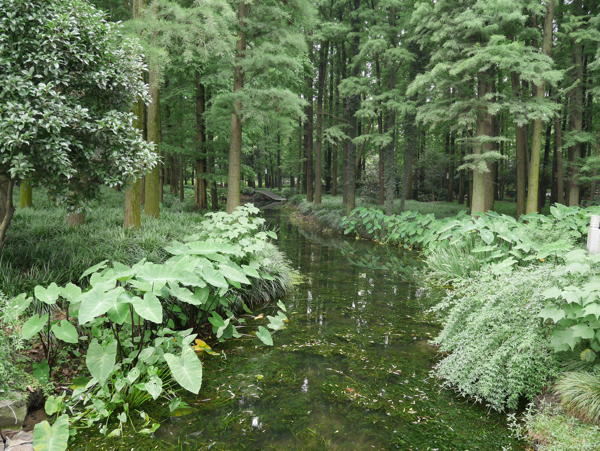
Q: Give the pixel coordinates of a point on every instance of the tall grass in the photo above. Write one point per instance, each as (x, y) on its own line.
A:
(579, 394)
(41, 248)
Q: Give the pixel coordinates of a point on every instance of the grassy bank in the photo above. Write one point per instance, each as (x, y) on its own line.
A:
(520, 318)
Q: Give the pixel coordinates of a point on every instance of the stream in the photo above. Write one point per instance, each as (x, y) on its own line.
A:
(350, 372)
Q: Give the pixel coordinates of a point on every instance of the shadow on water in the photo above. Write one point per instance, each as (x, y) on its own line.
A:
(350, 372)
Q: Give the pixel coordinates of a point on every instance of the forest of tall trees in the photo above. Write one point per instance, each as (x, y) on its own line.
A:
(449, 100)
(138, 139)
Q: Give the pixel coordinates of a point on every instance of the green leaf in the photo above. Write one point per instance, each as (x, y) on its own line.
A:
(53, 404)
(264, 335)
(234, 274)
(185, 295)
(65, 331)
(214, 277)
(552, 312)
(47, 295)
(154, 386)
(71, 292)
(487, 236)
(281, 305)
(148, 308)
(51, 438)
(16, 306)
(94, 269)
(592, 309)
(551, 293)
(100, 360)
(582, 331)
(97, 302)
(186, 369)
(34, 325)
(563, 340)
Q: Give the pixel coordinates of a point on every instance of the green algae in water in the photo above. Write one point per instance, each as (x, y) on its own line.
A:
(351, 371)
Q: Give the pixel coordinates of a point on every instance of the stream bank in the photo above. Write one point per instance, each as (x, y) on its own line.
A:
(351, 371)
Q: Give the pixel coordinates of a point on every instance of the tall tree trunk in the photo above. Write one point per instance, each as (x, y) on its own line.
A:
(308, 139)
(521, 150)
(482, 179)
(543, 176)
(152, 190)
(235, 143)
(25, 194)
(7, 209)
(576, 124)
(132, 206)
(536, 139)
(352, 106)
(200, 182)
(323, 53)
(558, 156)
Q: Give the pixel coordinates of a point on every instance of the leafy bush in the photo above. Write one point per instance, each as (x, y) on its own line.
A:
(495, 347)
(457, 246)
(573, 305)
(11, 375)
(579, 394)
(136, 322)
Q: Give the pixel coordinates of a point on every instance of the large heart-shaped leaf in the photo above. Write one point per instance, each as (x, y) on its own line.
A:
(34, 325)
(47, 295)
(264, 335)
(154, 386)
(148, 307)
(186, 369)
(214, 277)
(185, 295)
(97, 302)
(234, 274)
(65, 331)
(51, 438)
(100, 360)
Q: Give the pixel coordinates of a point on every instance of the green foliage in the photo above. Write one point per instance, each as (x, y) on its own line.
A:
(69, 79)
(495, 348)
(11, 344)
(459, 245)
(573, 305)
(579, 394)
(551, 429)
(139, 319)
(53, 437)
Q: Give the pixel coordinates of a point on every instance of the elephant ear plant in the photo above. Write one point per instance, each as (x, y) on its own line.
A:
(134, 325)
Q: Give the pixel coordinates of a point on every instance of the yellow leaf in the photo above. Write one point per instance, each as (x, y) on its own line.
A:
(261, 316)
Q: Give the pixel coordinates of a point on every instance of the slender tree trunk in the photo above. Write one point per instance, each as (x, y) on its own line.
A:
(7, 209)
(536, 139)
(543, 177)
(558, 156)
(482, 179)
(576, 125)
(323, 53)
(521, 150)
(200, 182)
(132, 207)
(25, 194)
(152, 190)
(308, 139)
(352, 106)
(235, 144)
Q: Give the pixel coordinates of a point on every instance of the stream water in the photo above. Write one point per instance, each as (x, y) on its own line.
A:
(351, 371)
